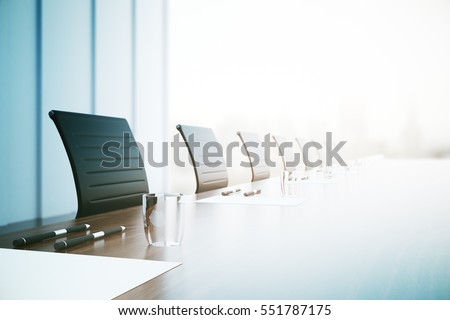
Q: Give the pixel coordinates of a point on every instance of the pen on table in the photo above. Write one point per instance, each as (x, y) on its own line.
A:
(252, 193)
(227, 193)
(39, 237)
(97, 235)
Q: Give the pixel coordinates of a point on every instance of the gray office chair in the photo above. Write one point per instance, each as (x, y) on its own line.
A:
(287, 154)
(255, 153)
(313, 155)
(106, 163)
(210, 173)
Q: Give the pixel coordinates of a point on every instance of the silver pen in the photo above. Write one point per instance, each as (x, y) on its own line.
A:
(252, 193)
(229, 192)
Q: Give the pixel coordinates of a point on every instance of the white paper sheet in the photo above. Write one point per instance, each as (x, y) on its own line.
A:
(319, 181)
(34, 275)
(255, 200)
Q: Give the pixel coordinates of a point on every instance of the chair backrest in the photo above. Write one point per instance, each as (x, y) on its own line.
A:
(288, 156)
(106, 163)
(255, 153)
(313, 153)
(210, 171)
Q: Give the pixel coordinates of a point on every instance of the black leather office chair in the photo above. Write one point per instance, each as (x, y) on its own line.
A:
(286, 152)
(106, 163)
(209, 176)
(253, 147)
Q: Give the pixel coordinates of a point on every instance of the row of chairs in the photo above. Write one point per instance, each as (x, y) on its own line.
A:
(210, 178)
(109, 174)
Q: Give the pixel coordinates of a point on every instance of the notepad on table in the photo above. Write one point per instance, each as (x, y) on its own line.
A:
(255, 200)
(35, 275)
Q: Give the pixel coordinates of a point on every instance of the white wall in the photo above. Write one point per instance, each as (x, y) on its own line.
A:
(90, 56)
(150, 123)
(66, 85)
(18, 127)
(113, 59)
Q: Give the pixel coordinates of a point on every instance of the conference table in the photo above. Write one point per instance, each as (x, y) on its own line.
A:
(376, 231)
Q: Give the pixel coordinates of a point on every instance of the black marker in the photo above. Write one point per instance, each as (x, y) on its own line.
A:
(252, 193)
(227, 193)
(60, 245)
(39, 237)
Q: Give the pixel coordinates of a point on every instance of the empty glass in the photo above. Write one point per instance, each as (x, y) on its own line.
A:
(289, 183)
(329, 172)
(163, 219)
